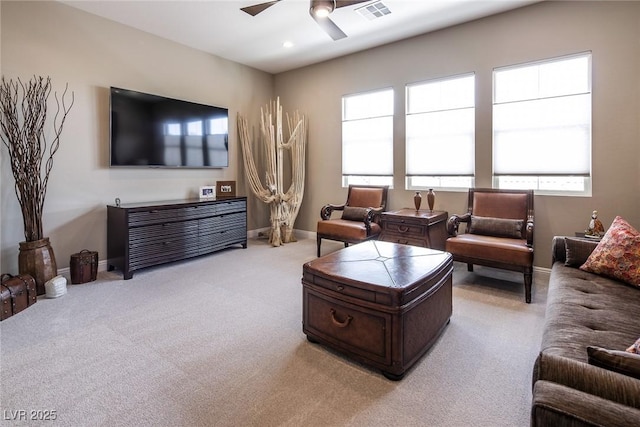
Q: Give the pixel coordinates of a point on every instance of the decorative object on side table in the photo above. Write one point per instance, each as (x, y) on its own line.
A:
(431, 199)
(595, 228)
(23, 114)
(417, 200)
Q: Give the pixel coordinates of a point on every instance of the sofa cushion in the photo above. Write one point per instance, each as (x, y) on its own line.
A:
(578, 251)
(588, 309)
(618, 254)
(354, 213)
(614, 360)
(499, 227)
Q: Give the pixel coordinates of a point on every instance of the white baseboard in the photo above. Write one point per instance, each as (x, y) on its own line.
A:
(302, 234)
(262, 232)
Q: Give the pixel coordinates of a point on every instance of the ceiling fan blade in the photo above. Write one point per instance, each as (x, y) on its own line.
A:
(343, 3)
(329, 27)
(257, 8)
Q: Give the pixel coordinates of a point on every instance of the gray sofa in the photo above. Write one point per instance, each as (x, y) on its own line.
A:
(571, 387)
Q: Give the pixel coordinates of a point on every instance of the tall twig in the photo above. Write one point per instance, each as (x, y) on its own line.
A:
(23, 117)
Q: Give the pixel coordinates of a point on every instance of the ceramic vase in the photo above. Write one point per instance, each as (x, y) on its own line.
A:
(38, 260)
(431, 199)
(417, 200)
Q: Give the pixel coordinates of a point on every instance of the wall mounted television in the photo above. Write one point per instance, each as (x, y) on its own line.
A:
(154, 131)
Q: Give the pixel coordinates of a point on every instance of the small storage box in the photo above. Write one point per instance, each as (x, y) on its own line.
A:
(21, 290)
(84, 266)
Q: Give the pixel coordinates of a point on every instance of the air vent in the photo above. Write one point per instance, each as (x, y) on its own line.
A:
(374, 10)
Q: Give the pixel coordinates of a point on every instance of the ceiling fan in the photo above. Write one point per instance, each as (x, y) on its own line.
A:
(319, 11)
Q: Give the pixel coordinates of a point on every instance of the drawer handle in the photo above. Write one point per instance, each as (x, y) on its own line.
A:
(337, 322)
(403, 228)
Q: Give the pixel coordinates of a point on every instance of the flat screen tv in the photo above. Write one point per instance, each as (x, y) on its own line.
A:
(154, 131)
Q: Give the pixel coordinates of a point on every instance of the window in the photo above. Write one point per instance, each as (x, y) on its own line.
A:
(542, 126)
(440, 133)
(367, 138)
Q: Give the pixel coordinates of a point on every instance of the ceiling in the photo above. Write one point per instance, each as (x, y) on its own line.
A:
(221, 28)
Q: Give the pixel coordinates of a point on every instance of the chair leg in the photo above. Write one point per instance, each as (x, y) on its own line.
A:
(469, 267)
(318, 240)
(528, 277)
(346, 244)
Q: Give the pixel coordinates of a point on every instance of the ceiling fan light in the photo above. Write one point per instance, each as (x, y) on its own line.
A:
(322, 8)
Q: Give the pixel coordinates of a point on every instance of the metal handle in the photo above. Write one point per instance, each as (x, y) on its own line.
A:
(403, 228)
(337, 322)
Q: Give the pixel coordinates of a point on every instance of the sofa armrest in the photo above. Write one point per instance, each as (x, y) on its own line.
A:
(558, 405)
(588, 379)
(558, 250)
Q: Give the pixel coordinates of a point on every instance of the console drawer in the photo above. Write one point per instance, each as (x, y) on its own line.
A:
(162, 231)
(231, 206)
(154, 216)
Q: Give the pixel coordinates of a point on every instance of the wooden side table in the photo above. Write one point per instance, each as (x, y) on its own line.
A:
(418, 228)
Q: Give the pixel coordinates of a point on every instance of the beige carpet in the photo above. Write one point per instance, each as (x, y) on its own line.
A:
(217, 341)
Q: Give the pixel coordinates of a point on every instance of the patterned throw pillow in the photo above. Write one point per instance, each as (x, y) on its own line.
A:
(618, 254)
(635, 347)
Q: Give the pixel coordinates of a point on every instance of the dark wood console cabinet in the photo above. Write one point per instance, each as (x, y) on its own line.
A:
(141, 235)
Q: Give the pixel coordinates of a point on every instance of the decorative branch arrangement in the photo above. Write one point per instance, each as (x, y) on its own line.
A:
(23, 115)
(284, 205)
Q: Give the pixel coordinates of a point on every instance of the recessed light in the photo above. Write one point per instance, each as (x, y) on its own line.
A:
(287, 45)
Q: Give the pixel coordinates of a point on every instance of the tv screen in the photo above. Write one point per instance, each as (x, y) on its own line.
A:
(153, 131)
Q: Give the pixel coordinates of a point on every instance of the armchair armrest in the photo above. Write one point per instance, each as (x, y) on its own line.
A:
(454, 222)
(529, 231)
(374, 213)
(327, 210)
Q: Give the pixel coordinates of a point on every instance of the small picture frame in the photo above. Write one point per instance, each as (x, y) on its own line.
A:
(225, 189)
(208, 192)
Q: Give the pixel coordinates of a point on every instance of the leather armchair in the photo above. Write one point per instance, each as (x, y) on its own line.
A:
(499, 232)
(360, 216)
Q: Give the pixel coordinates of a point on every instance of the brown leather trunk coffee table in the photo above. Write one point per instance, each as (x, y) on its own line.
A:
(383, 304)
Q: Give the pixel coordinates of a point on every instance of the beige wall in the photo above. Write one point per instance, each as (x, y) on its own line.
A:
(610, 30)
(92, 54)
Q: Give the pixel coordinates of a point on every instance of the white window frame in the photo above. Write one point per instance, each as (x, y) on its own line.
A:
(367, 155)
(570, 179)
(446, 143)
